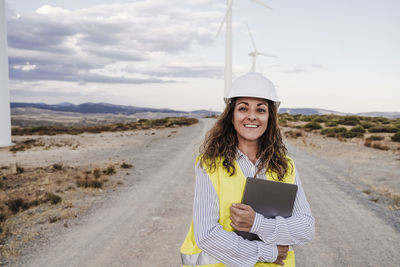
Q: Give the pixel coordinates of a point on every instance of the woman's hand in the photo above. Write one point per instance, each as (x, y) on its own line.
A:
(282, 254)
(242, 217)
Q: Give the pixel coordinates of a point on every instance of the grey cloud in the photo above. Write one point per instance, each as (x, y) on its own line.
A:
(68, 46)
(188, 72)
(59, 73)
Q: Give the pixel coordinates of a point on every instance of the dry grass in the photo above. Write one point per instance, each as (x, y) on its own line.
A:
(43, 144)
(375, 144)
(141, 124)
(294, 133)
(46, 194)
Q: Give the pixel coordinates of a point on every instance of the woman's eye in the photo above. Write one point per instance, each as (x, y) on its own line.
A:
(261, 110)
(242, 109)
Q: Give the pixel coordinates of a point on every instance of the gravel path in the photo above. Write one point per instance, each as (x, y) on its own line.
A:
(144, 223)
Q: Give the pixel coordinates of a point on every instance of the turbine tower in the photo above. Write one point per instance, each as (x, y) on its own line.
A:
(5, 119)
(228, 42)
(255, 53)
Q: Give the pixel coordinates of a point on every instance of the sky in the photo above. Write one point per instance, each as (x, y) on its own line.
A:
(340, 55)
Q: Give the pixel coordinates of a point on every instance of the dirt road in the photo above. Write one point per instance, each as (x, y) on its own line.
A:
(145, 223)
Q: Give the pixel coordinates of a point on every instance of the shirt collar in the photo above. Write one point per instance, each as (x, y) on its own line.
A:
(241, 155)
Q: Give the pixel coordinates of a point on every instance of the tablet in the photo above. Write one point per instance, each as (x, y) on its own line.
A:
(268, 198)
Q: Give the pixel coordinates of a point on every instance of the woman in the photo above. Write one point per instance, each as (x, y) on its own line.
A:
(244, 142)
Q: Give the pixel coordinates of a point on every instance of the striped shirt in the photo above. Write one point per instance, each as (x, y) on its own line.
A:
(233, 250)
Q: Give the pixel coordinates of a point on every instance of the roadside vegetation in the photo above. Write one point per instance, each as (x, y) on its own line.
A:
(376, 132)
(31, 197)
(136, 125)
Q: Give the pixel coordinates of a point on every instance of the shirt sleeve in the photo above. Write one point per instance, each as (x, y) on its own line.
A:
(294, 230)
(227, 247)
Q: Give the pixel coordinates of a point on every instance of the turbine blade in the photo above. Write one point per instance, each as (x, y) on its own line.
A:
(251, 37)
(268, 55)
(258, 2)
(229, 9)
(265, 54)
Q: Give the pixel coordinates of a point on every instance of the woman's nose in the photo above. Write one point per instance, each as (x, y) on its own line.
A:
(252, 116)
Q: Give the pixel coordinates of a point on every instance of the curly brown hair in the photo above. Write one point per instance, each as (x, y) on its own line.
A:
(221, 142)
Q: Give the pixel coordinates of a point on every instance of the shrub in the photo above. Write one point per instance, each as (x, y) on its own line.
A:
(86, 183)
(313, 126)
(379, 145)
(351, 134)
(57, 166)
(331, 124)
(3, 217)
(319, 119)
(367, 124)
(53, 198)
(396, 137)
(383, 129)
(334, 130)
(382, 120)
(15, 205)
(357, 129)
(109, 171)
(305, 118)
(126, 165)
(349, 120)
(96, 173)
(376, 138)
(293, 134)
(20, 169)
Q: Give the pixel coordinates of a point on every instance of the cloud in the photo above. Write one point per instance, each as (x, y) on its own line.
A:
(74, 45)
(318, 66)
(295, 70)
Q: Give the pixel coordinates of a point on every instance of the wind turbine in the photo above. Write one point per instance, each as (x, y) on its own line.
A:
(228, 41)
(255, 53)
(5, 119)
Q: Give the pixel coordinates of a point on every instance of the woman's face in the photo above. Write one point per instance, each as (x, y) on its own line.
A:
(250, 118)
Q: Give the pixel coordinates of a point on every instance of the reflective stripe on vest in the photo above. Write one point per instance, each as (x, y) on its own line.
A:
(201, 258)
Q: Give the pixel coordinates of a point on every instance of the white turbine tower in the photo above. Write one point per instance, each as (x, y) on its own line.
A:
(228, 41)
(5, 120)
(255, 53)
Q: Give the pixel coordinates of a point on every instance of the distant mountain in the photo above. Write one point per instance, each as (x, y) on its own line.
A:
(380, 114)
(317, 111)
(93, 108)
(106, 108)
(309, 111)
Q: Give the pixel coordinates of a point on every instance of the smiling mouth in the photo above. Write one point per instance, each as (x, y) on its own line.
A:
(251, 126)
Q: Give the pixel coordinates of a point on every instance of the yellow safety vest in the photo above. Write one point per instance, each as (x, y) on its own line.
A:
(229, 190)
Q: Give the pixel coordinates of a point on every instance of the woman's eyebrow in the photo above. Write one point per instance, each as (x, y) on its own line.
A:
(259, 104)
(243, 103)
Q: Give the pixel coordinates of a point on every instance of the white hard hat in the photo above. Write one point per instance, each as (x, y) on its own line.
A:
(253, 84)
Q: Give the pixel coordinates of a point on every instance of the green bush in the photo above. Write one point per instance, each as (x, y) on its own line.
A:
(313, 126)
(376, 138)
(319, 119)
(382, 120)
(396, 137)
(306, 118)
(349, 120)
(331, 124)
(334, 130)
(383, 129)
(357, 129)
(367, 124)
(351, 134)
